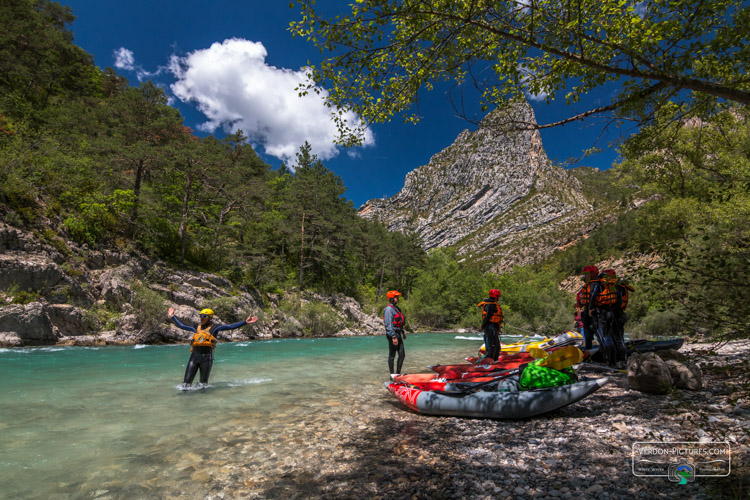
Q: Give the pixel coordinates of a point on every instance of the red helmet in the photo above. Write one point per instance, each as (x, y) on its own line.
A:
(610, 272)
(494, 294)
(593, 270)
(392, 293)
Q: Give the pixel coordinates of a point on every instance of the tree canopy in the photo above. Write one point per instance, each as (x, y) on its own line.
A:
(384, 52)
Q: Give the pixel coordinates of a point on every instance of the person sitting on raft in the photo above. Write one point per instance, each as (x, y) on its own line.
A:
(394, 330)
(492, 319)
(202, 344)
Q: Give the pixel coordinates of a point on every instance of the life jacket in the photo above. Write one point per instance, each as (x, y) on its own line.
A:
(607, 295)
(497, 316)
(584, 294)
(625, 290)
(203, 337)
(398, 318)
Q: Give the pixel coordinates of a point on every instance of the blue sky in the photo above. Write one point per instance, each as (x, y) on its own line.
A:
(235, 62)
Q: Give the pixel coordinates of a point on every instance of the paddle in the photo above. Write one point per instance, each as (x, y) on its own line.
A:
(559, 359)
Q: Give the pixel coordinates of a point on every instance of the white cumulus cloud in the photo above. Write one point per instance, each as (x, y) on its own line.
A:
(527, 76)
(124, 59)
(234, 87)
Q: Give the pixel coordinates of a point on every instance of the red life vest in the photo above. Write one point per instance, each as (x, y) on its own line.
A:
(203, 337)
(497, 316)
(607, 295)
(398, 317)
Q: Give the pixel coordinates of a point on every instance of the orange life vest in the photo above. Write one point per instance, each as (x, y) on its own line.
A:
(607, 292)
(497, 316)
(584, 294)
(203, 337)
(625, 294)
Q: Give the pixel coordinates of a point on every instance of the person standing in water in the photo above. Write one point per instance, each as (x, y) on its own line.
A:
(394, 331)
(492, 320)
(202, 344)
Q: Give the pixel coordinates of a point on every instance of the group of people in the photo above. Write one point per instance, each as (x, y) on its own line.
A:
(393, 318)
(600, 312)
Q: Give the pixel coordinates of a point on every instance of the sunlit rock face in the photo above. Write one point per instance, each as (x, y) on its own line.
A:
(493, 194)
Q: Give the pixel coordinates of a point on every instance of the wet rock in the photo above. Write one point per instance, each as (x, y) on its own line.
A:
(10, 339)
(69, 321)
(647, 372)
(27, 323)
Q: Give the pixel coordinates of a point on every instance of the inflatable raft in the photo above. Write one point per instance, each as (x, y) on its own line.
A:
(501, 405)
(647, 346)
(562, 340)
(653, 345)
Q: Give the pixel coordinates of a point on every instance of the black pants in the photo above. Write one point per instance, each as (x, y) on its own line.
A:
(395, 349)
(605, 332)
(491, 341)
(199, 361)
(619, 334)
(588, 329)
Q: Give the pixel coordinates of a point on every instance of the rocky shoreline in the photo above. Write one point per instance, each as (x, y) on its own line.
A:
(53, 292)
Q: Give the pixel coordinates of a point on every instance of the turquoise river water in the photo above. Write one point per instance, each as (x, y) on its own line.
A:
(110, 422)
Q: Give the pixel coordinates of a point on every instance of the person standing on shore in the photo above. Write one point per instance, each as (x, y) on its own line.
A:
(202, 344)
(620, 317)
(578, 320)
(394, 321)
(602, 303)
(492, 320)
(583, 299)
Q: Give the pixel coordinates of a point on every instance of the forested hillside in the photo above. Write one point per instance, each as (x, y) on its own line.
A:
(89, 161)
(89, 158)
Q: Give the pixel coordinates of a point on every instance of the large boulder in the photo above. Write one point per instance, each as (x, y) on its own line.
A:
(38, 274)
(70, 321)
(10, 339)
(114, 285)
(685, 375)
(647, 372)
(365, 324)
(27, 324)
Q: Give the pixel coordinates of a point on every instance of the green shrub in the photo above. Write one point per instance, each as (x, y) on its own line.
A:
(224, 308)
(657, 324)
(101, 217)
(149, 305)
(104, 316)
(23, 297)
(318, 318)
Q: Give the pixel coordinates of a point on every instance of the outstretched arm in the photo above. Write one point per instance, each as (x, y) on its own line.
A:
(170, 313)
(250, 319)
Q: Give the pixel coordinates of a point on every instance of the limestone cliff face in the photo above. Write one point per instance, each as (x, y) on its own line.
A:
(493, 194)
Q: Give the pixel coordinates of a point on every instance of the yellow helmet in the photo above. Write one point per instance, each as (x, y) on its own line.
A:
(207, 312)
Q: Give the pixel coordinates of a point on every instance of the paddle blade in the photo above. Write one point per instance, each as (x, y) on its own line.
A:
(563, 358)
(537, 353)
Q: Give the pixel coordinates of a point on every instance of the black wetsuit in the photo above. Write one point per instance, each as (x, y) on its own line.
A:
(391, 332)
(611, 343)
(620, 318)
(491, 331)
(202, 357)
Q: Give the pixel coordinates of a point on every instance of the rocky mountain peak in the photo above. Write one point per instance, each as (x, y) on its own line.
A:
(487, 192)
